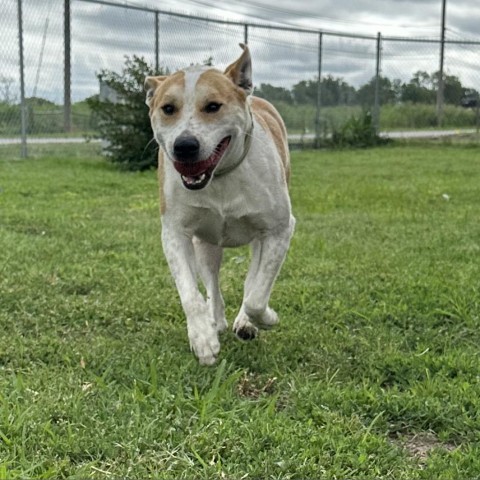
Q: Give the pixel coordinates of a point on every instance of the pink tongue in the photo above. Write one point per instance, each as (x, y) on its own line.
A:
(192, 169)
(196, 169)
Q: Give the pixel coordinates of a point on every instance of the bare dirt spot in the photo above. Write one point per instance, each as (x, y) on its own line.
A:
(420, 446)
(253, 387)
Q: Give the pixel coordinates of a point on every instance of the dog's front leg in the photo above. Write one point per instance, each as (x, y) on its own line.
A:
(268, 254)
(202, 331)
(209, 258)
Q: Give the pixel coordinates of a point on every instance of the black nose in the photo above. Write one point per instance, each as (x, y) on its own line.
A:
(186, 148)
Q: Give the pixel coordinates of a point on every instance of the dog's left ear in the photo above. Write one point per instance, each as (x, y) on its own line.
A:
(150, 85)
(240, 72)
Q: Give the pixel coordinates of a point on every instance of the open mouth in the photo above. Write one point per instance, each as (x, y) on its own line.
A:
(195, 176)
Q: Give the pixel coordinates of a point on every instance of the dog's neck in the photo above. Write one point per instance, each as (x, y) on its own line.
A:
(246, 147)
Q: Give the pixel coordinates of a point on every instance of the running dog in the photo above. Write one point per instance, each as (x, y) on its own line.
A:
(224, 170)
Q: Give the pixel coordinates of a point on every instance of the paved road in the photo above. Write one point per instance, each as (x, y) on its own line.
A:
(44, 141)
(293, 137)
(428, 134)
(402, 134)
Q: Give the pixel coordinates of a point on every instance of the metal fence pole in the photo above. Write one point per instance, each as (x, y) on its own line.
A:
(23, 107)
(319, 92)
(157, 46)
(67, 96)
(477, 117)
(376, 105)
(245, 34)
(441, 86)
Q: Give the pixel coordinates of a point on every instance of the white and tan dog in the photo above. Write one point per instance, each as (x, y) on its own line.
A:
(223, 171)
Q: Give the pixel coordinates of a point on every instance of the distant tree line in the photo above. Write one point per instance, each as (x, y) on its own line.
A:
(421, 88)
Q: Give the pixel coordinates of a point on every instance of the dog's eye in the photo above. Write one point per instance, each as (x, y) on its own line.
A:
(168, 109)
(212, 107)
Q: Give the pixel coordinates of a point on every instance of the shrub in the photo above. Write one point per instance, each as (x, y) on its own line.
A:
(124, 125)
(357, 131)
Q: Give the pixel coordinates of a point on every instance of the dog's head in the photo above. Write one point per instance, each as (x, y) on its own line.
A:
(200, 117)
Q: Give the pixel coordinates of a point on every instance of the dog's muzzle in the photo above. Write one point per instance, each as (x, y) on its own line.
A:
(196, 173)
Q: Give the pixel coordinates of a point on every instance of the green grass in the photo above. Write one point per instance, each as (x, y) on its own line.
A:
(373, 371)
(40, 150)
(46, 120)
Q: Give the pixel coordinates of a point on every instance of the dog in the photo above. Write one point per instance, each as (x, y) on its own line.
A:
(224, 169)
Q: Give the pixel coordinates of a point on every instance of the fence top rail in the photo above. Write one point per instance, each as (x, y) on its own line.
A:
(430, 40)
(277, 27)
(229, 22)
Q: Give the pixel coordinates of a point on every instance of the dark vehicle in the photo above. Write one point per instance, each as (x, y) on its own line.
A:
(470, 100)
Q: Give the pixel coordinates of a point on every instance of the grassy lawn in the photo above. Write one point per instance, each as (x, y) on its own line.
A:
(374, 371)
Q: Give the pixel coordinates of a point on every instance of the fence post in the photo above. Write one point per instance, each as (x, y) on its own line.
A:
(319, 92)
(376, 106)
(245, 34)
(157, 46)
(67, 97)
(23, 106)
(477, 117)
(441, 86)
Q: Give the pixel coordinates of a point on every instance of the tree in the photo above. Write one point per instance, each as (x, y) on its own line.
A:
(124, 123)
(305, 92)
(423, 87)
(389, 92)
(6, 95)
(334, 91)
(419, 89)
(39, 102)
(274, 94)
(453, 91)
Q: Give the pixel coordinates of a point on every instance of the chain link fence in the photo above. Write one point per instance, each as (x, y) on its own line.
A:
(317, 80)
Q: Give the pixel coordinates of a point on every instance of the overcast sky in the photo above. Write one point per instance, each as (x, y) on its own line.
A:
(392, 17)
(102, 36)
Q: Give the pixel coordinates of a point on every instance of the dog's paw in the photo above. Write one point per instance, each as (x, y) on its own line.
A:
(243, 328)
(205, 346)
(267, 320)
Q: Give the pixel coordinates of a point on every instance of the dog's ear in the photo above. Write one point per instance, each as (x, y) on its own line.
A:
(240, 72)
(150, 85)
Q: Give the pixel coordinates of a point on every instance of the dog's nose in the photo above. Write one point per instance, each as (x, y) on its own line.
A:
(186, 148)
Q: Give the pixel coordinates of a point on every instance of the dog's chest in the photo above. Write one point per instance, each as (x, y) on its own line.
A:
(227, 229)
(226, 232)
(234, 221)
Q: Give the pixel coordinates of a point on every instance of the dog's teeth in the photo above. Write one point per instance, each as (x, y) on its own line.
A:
(194, 180)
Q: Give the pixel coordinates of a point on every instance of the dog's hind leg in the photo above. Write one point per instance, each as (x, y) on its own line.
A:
(209, 259)
(268, 255)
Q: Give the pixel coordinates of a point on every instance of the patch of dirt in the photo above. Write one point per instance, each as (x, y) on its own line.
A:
(250, 386)
(420, 446)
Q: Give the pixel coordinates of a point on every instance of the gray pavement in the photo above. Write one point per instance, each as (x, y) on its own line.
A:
(293, 137)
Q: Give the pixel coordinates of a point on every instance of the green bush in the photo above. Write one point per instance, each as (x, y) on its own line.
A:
(357, 131)
(9, 119)
(124, 125)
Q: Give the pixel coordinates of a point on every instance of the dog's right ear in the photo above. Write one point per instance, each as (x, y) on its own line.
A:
(150, 85)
